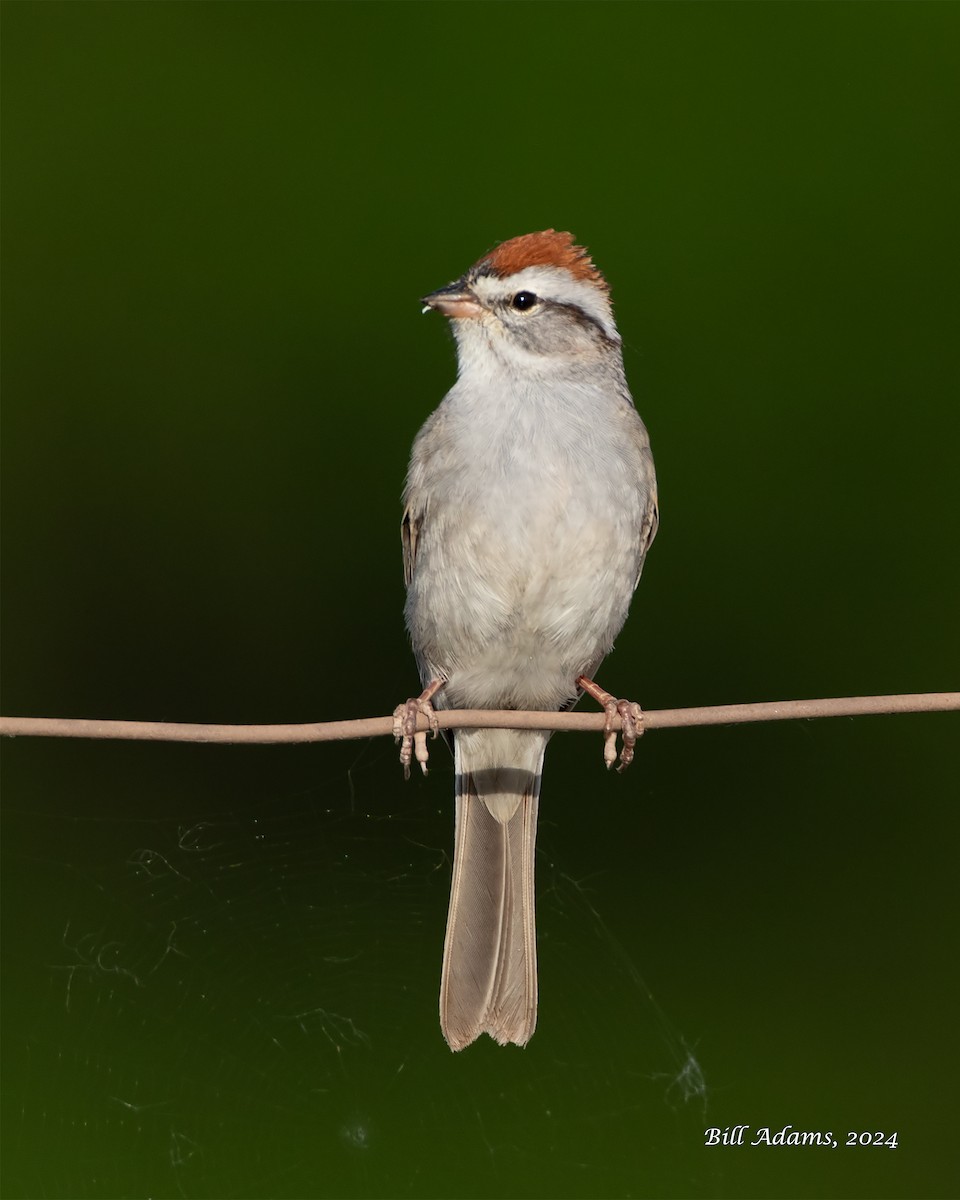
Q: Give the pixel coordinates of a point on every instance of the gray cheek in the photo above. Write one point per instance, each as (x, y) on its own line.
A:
(554, 333)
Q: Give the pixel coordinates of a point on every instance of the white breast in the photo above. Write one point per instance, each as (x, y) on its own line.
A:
(530, 545)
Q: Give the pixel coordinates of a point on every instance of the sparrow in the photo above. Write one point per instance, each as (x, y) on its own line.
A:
(530, 505)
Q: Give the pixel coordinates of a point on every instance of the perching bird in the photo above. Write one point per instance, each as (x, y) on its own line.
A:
(531, 501)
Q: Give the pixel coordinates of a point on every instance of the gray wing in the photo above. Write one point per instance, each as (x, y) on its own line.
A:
(428, 446)
(648, 531)
(410, 528)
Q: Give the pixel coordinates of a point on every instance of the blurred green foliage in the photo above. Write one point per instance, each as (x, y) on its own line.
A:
(217, 221)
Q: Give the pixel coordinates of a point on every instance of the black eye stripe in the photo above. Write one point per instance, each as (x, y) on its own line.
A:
(576, 313)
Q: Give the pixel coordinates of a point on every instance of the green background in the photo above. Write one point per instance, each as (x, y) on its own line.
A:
(221, 964)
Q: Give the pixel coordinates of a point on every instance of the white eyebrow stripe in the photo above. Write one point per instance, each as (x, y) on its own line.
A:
(550, 283)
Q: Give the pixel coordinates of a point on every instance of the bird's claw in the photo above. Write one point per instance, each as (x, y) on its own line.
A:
(623, 716)
(631, 727)
(413, 741)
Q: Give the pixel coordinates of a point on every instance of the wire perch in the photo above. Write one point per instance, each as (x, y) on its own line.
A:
(367, 727)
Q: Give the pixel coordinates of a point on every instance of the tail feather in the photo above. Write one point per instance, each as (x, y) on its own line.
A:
(489, 982)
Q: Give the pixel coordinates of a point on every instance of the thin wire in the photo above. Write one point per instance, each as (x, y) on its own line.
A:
(336, 731)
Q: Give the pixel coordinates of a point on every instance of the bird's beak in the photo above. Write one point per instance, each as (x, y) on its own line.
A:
(455, 300)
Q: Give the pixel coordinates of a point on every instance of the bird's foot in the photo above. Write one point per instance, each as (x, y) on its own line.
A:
(413, 741)
(622, 715)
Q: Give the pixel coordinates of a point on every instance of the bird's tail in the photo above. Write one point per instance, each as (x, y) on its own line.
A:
(489, 982)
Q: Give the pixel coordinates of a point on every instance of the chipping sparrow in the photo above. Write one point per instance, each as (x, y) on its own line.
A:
(530, 503)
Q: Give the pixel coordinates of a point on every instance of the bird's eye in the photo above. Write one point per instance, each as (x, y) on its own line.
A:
(524, 300)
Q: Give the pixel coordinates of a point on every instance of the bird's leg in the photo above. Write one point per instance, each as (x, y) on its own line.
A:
(413, 742)
(631, 723)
